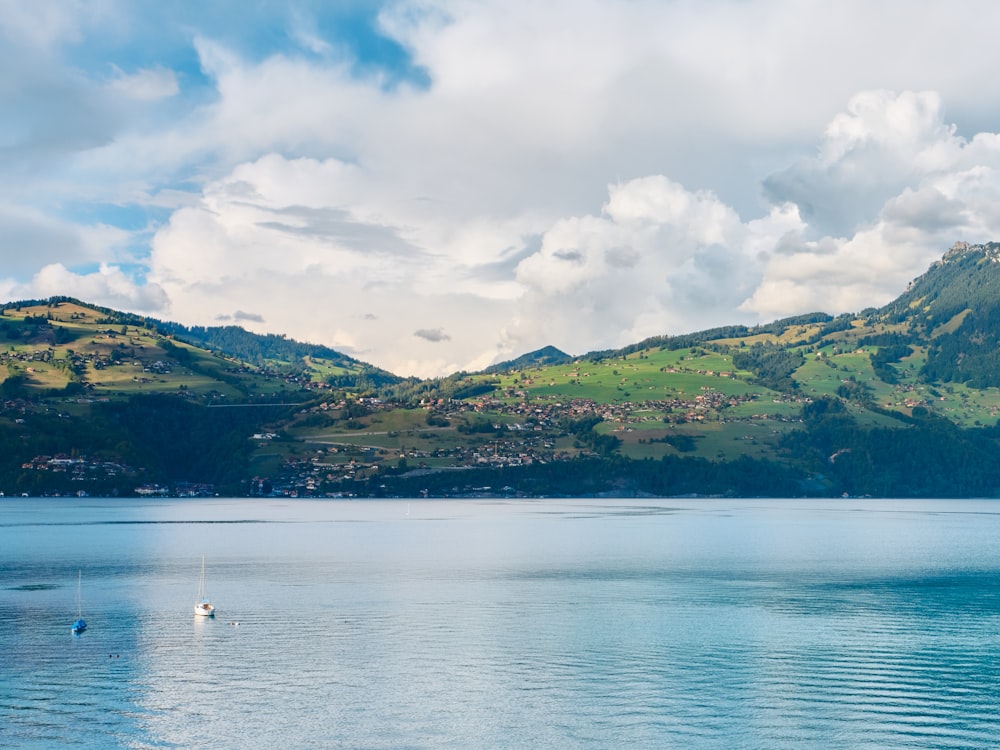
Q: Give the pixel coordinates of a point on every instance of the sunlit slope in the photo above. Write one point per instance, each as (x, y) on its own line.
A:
(816, 394)
(64, 345)
(738, 391)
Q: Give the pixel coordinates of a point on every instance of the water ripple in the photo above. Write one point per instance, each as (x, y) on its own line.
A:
(503, 626)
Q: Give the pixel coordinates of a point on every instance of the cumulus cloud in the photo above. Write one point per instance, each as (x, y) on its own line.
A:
(580, 174)
(659, 258)
(283, 237)
(109, 286)
(656, 258)
(692, 262)
(881, 145)
(895, 186)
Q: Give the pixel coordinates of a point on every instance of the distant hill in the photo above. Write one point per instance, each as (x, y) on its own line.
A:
(261, 350)
(897, 401)
(547, 355)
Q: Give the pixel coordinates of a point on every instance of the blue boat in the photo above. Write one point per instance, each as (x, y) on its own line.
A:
(80, 625)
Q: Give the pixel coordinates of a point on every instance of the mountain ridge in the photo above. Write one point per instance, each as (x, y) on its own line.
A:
(900, 400)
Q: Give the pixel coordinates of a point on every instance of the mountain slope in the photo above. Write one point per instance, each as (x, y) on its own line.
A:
(547, 355)
(956, 305)
(894, 401)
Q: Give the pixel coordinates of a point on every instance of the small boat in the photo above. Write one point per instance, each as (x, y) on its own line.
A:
(80, 625)
(203, 607)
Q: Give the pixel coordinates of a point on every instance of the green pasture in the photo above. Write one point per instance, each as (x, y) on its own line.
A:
(129, 378)
(646, 376)
(968, 407)
(45, 376)
(390, 430)
(951, 325)
(789, 336)
(321, 369)
(913, 364)
(712, 440)
(423, 440)
(394, 420)
(819, 376)
(763, 406)
(268, 457)
(401, 420)
(752, 438)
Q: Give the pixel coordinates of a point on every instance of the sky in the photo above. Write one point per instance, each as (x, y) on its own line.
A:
(439, 185)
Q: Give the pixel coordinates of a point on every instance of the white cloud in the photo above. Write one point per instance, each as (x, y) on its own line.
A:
(689, 262)
(31, 239)
(340, 209)
(280, 237)
(44, 23)
(147, 84)
(303, 31)
(276, 235)
(902, 187)
(882, 144)
(108, 286)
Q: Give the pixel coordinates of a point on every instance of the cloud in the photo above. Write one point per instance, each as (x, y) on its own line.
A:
(32, 239)
(659, 258)
(109, 286)
(926, 209)
(881, 145)
(434, 335)
(43, 24)
(621, 257)
(303, 31)
(240, 316)
(336, 225)
(580, 174)
(656, 258)
(147, 84)
(895, 186)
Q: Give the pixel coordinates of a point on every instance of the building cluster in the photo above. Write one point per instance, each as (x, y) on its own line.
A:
(25, 356)
(520, 433)
(543, 413)
(179, 489)
(79, 468)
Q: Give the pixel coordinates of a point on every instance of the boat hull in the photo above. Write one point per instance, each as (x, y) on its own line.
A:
(79, 626)
(203, 607)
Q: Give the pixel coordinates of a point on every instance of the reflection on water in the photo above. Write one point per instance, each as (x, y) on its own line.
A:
(577, 623)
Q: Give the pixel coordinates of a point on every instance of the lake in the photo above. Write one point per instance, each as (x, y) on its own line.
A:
(680, 623)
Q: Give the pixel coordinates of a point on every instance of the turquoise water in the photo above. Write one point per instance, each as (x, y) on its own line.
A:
(492, 624)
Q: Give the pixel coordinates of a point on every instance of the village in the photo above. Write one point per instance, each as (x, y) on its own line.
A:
(490, 432)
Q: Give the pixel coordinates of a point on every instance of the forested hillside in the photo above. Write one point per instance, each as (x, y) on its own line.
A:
(902, 400)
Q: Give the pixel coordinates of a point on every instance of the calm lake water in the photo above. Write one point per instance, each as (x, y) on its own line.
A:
(493, 624)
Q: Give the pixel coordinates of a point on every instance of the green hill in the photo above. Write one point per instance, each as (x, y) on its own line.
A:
(901, 400)
(547, 355)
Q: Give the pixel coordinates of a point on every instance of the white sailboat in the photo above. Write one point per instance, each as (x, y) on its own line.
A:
(203, 606)
(80, 625)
